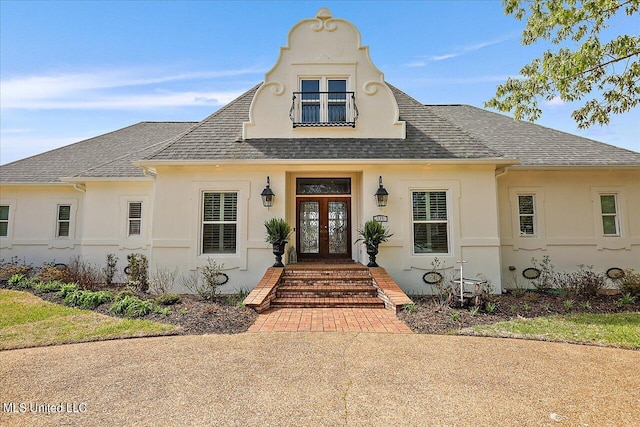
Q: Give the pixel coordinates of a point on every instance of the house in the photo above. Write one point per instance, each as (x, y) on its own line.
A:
(324, 132)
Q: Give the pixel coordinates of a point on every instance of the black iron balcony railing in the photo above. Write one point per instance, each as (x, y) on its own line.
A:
(323, 109)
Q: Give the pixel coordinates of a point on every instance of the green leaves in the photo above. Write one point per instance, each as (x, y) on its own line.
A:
(606, 73)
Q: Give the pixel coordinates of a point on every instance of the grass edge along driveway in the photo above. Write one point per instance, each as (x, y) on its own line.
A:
(28, 321)
(620, 330)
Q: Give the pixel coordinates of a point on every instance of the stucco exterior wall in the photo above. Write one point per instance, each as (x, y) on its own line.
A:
(341, 56)
(569, 220)
(32, 223)
(471, 205)
(106, 220)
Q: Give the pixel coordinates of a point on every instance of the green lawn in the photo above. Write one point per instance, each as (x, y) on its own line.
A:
(28, 321)
(614, 330)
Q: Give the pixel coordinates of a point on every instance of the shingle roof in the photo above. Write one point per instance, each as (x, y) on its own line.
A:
(219, 137)
(105, 155)
(533, 144)
(454, 132)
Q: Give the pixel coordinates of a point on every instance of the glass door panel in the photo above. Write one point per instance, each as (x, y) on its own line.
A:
(309, 227)
(338, 227)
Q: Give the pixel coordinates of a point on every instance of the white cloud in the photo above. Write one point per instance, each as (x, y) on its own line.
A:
(468, 48)
(416, 64)
(556, 101)
(114, 89)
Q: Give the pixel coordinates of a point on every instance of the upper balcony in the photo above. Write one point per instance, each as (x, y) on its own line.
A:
(326, 109)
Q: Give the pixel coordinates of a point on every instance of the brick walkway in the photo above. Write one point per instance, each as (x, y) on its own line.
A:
(329, 320)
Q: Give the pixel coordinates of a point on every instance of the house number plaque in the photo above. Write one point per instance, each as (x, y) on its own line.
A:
(381, 218)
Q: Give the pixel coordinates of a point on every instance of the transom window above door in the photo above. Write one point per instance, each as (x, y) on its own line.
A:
(323, 102)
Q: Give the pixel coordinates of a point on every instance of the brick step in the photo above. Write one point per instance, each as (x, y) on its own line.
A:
(317, 282)
(343, 302)
(326, 290)
(318, 275)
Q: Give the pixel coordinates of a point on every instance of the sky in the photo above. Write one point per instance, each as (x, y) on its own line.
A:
(73, 70)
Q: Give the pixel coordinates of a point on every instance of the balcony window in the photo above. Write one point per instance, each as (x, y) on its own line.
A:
(323, 102)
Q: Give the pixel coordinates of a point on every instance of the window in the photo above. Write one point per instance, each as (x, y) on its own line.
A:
(430, 222)
(64, 221)
(219, 223)
(135, 218)
(323, 102)
(527, 214)
(609, 210)
(4, 220)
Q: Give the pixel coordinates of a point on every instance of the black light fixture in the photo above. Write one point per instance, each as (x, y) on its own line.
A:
(381, 195)
(267, 195)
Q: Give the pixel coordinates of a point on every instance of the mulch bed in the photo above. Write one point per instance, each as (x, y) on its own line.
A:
(193, 315)
(196, 316)
(432, 318)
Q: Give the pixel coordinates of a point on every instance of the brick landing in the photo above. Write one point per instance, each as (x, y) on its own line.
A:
(329, 320)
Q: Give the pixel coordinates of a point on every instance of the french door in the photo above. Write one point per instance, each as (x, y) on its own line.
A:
(323, 227)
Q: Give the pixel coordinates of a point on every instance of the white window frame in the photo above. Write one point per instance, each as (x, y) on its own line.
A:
(6, 242)
(203, 222)
(323, 86)
(615, 215)
(447, 194)
(532, 215)
(7, 220)
(68, 221)
(131, 220)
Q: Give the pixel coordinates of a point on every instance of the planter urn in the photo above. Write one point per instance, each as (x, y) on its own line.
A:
(278, 251)
(372, 251)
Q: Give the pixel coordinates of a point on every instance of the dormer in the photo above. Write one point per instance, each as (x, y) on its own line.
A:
(324, 85)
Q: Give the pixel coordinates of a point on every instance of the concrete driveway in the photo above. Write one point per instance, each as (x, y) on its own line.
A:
(320, 379)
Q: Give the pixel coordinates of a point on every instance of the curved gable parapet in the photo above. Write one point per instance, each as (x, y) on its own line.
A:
(326, 53)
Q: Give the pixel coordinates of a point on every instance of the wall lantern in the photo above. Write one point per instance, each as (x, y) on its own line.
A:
(381, 195)
(267, 196)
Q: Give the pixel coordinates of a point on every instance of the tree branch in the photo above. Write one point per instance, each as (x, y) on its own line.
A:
(601, 65)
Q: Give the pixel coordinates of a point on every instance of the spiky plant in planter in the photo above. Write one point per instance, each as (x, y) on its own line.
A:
(372, 235)
(278, 232)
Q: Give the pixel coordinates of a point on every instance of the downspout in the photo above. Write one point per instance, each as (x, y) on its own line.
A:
(83, 189)
(151, 173)
(503, 172)
(498, 175)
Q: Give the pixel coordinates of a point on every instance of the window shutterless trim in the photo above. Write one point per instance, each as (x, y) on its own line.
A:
(63, 221)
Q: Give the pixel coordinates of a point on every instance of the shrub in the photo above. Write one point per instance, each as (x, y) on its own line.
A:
(584, 282)
(131, 307)
(88, 299)
(66, 289)
(442, 290)
(625, 300)
(138, 271)
(547, 275)
(46, 287)
(85, 274)
(51, 272)
(13, 267)
(167, 299)
(20, 281)
(238, 298)
(110, 269)
(629, 283)
(162, 280)
(208, 286)
(411, 308)
(124, 293)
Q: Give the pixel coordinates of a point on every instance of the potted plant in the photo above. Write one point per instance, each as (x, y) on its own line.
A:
(278, 232)
(372, 235)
